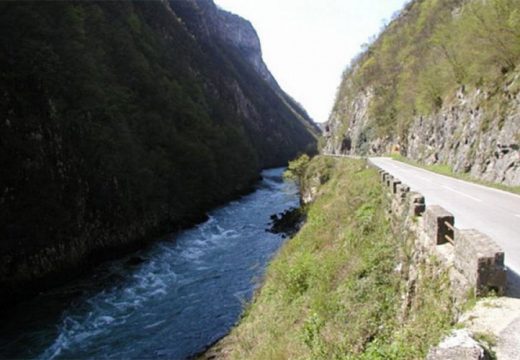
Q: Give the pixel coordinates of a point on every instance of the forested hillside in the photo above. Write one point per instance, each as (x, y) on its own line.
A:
(441, 85)
(119, 123)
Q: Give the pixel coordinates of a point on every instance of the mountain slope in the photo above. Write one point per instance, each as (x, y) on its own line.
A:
(120, 123)
(440, 85)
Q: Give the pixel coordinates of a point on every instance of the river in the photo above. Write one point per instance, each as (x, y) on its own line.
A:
(184, 293)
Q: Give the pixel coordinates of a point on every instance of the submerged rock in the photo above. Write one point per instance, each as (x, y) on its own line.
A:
(287, 223)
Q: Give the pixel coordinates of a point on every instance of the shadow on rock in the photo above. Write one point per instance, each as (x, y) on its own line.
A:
(287, 223)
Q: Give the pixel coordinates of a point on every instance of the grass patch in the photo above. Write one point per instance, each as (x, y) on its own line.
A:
(444, 169)
(489, 342)
(333, 292)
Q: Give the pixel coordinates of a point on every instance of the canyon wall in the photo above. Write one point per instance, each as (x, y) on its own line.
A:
(440, 85)
(123, 121)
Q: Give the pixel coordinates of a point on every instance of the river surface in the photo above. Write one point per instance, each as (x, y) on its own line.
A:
(187, 293)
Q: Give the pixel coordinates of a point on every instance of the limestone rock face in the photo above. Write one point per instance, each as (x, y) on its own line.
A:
(466, 133)
(471, 139)
(241, 34)
(208, 21)
(407, 94)
(230, 36)
(352, 138)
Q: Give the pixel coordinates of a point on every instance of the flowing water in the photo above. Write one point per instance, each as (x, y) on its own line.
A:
(187, 293)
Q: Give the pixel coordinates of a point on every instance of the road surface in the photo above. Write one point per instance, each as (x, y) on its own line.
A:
(492, 212)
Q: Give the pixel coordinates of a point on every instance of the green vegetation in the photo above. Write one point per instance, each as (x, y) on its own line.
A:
(489, 342)
(444, 169)
(296, 168)
(432, 48)
(118, 124)
(333, 291)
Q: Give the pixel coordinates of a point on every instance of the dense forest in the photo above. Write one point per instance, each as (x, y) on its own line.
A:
(118, 123)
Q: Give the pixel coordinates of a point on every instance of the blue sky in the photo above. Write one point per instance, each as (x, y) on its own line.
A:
(308, 43)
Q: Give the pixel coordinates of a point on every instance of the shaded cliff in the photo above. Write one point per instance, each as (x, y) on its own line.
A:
(120, 121)
(440, 85)
(229, 39)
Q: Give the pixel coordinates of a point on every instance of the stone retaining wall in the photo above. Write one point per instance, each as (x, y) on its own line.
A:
(473, 256)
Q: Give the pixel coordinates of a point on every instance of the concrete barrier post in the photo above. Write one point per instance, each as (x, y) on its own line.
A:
(402, 192)
(481, 261)
(417, 204)
(438, 224)
(389, 180)
(394, 184)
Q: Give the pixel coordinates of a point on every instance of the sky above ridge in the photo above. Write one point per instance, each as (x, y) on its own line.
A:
(308, 43)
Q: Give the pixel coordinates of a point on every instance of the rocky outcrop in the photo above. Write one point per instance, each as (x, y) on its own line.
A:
(346, 130)
(476, 133)
(471, 136)
(241, 34)
(426, 88)
(230, 36)
(209, 22)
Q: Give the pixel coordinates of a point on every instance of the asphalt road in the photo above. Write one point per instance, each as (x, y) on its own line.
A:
(492, 212)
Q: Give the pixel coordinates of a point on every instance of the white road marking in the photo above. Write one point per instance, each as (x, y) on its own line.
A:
(425, 179)
(461, 193)
(468, 183)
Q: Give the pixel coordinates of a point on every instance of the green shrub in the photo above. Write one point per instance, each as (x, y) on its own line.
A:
(296, 168)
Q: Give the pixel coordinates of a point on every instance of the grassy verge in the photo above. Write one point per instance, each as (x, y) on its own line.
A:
(333, 291)
(448, 171)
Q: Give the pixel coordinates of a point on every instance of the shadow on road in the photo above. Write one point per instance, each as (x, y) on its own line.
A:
(513, 284)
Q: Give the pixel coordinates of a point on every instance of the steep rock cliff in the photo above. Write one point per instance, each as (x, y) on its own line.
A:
(441, 86)
(464, 134)
(211, 23)
(119, 122)
(470, 139)
(228, 35)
